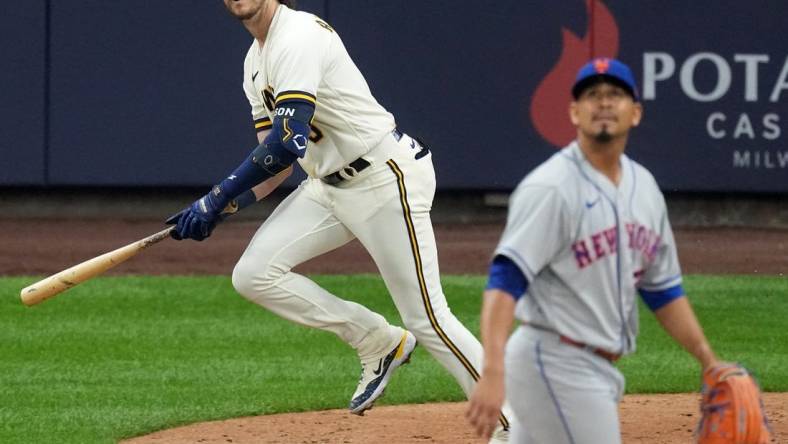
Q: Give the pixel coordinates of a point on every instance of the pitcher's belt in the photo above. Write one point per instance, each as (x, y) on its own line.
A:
(612, 357)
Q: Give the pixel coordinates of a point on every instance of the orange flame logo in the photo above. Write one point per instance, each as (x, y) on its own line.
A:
(549, 104)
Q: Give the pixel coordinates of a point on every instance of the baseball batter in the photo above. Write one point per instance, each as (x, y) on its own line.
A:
(366, 181)
(587, 230)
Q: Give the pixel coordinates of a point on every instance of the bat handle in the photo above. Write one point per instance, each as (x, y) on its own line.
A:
(156, 238)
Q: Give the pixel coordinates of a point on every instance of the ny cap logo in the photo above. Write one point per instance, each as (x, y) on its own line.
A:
(601, 65)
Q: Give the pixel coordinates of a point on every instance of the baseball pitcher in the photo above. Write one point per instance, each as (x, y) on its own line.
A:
(586, 232)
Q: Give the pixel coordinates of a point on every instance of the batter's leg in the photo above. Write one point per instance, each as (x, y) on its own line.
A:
(400, 239)
(301, 228)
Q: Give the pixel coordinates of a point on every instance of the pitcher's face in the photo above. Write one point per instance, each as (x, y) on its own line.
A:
(604, 112)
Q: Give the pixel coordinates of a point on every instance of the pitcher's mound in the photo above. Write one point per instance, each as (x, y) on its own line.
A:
(652, 419)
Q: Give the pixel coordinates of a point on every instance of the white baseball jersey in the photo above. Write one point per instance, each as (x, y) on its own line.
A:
(386, 206)
(586, 246)
(304, 58)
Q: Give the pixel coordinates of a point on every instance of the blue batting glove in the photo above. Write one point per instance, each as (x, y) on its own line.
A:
(239, 203)
(173, 220)
(198, 221)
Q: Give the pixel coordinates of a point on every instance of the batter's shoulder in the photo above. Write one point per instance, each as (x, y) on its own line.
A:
(301, 25)
(302, 34)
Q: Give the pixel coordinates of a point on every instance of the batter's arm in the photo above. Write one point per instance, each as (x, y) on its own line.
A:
(678, 319)
(265, 187)
(487, 398)
(257, 175)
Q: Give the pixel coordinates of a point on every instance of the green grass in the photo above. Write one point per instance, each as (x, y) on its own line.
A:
(746, 320)
(121, 356)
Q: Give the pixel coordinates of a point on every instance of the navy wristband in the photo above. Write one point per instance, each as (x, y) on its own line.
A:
(245, 199)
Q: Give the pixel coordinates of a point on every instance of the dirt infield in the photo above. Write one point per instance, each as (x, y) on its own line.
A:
(45, 246)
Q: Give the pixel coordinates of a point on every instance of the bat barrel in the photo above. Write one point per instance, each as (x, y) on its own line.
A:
(62, 281)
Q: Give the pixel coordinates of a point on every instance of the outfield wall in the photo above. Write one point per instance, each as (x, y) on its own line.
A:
(148, 93)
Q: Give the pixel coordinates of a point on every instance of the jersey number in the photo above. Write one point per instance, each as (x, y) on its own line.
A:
(268, 95)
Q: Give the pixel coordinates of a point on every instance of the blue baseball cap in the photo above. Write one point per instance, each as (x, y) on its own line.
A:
(605, 69)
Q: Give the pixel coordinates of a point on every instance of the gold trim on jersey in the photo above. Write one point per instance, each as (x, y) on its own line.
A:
(295, 95)
(263, 123)
(425, 296)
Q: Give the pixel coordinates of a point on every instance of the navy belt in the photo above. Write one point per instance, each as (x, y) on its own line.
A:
(356, 166)
(347, 172)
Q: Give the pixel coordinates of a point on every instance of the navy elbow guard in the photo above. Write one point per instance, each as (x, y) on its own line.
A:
(286, 143)
(292, 116)
(272, 157)
(289, 133)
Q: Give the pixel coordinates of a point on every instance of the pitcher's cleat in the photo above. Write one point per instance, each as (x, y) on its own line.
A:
(376, 372)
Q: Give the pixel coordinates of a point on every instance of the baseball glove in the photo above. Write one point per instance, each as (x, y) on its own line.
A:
(731, 407)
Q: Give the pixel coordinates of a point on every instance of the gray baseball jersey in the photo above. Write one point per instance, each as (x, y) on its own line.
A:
(586, 246)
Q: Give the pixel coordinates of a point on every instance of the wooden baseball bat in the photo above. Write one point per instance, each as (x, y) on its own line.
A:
(62, 281)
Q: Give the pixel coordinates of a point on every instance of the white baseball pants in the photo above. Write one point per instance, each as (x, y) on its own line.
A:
(386, 207)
